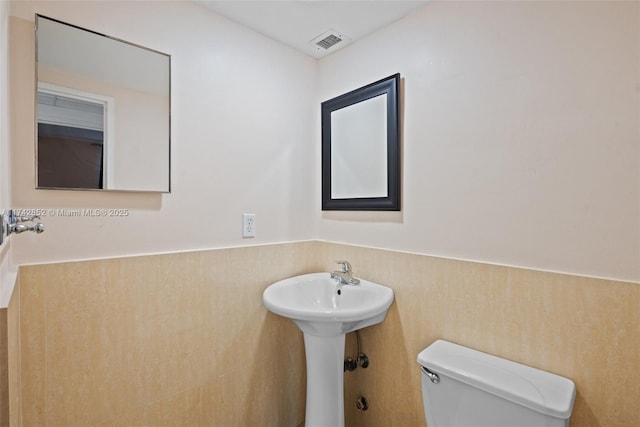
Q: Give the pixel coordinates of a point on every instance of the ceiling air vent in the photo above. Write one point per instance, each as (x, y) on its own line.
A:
(329, 41)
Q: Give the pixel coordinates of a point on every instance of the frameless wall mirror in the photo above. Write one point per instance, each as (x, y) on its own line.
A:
(361, 148)
(103, 111)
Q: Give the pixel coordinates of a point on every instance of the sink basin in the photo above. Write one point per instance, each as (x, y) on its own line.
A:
(325, 311)
(321, 306)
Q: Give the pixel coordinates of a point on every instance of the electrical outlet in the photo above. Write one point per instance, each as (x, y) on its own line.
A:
(248, 225)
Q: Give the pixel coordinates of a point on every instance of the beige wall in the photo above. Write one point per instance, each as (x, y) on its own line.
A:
(7, 268)
(4, 370)
(4, 104)
(183, 339)
(7, 276)
(585, 329)
(180, 339)
(242, 125)
(521, 134)
(14, 398)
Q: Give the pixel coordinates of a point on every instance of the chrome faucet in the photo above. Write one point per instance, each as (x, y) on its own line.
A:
(16, 224)
(345, 275)
(21, 228)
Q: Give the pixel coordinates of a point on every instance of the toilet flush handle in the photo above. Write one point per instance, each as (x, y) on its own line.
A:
(432, 375)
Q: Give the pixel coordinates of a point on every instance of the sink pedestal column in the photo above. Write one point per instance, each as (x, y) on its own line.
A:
(325, 380)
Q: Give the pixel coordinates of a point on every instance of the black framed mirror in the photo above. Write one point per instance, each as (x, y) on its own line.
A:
(361, 148)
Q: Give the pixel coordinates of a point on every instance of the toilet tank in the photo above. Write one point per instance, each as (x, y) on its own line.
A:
(462, 387)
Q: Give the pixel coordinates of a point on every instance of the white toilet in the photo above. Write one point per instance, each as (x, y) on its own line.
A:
(462, 387)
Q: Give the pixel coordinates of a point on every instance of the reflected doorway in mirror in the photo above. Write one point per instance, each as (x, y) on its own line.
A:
(75, 138)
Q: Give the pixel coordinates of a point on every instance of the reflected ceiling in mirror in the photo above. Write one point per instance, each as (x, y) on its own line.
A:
(103, 111)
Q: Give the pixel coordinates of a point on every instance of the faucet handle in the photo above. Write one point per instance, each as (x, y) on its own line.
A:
(346, 267)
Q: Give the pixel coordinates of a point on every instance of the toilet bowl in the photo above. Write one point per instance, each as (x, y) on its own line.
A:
(462, 387)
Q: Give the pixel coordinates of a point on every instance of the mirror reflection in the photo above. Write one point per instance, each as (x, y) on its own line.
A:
(359, 150)
(103, 111)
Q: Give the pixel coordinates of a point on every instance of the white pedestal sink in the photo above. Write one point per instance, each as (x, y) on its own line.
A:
(325, 311)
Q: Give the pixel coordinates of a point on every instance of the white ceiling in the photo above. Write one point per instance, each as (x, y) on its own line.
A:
(299, 23)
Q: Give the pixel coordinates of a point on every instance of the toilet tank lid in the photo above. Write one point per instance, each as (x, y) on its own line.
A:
(538, 390)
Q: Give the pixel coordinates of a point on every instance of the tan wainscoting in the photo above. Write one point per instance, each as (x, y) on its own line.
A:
(167, 340)
(582, 328)
(183, 339)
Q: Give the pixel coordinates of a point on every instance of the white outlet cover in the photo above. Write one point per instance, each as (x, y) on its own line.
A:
(248, 225)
